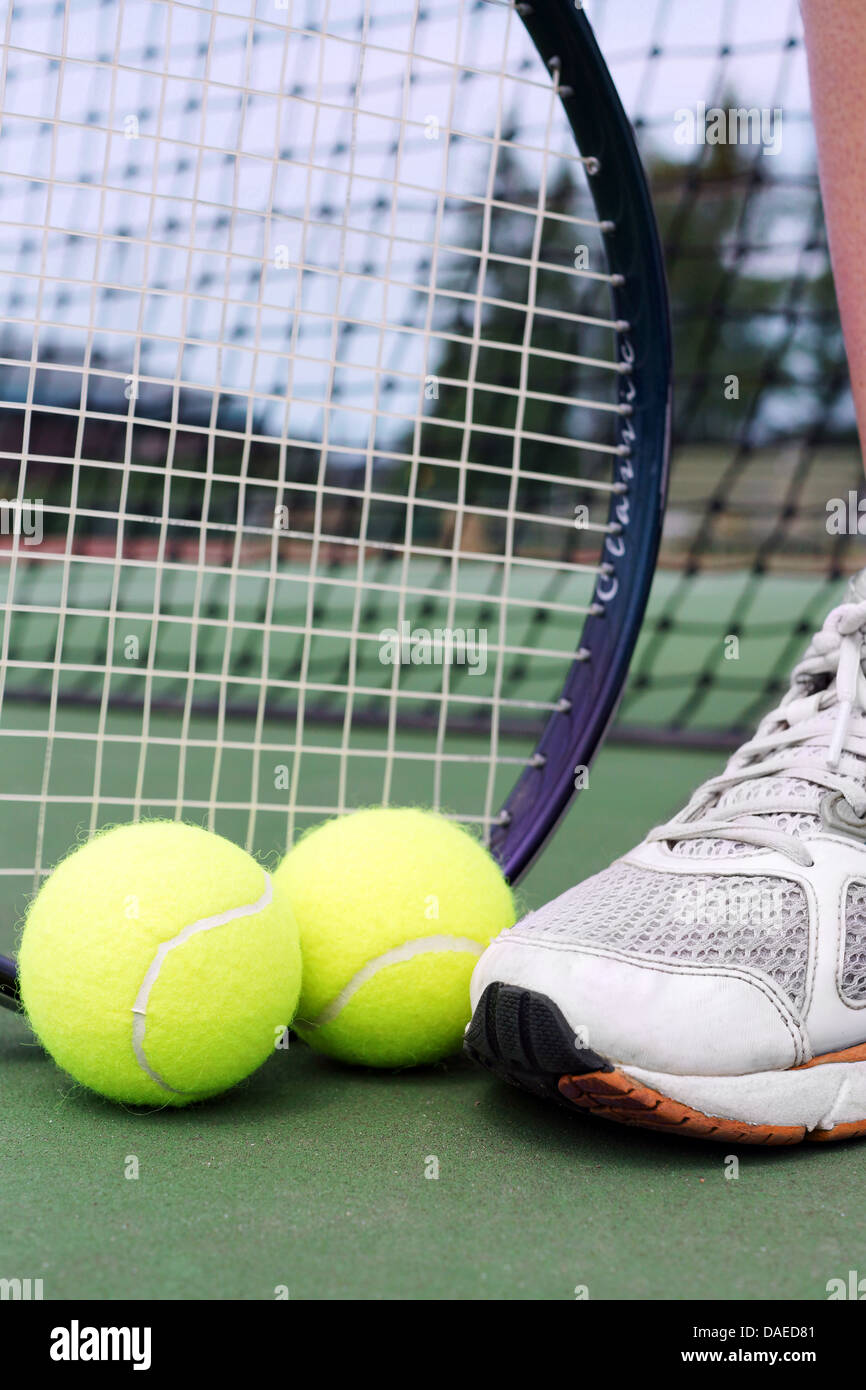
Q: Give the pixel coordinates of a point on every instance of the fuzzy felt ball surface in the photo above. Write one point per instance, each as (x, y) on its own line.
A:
(159, 963)
(394, 907)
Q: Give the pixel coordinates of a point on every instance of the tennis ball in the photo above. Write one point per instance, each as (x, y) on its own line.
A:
(159, 964)
(394, 908)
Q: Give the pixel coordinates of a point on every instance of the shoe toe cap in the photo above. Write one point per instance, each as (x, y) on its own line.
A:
(680, 1017)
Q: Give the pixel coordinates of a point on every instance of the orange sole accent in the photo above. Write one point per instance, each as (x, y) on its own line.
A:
(850, 1054)
(612, 1095)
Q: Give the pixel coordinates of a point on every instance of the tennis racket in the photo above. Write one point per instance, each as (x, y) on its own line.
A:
(334, 403)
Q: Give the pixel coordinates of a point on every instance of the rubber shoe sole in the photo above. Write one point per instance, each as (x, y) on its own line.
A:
(523, 1038)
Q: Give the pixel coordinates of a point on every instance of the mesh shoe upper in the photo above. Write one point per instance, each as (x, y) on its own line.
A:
(759, 923)
(854, 964)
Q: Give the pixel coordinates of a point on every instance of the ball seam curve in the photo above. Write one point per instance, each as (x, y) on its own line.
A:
(407, 950)
(139, 1008)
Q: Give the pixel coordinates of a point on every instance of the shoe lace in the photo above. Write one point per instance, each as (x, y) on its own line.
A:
(823, 713)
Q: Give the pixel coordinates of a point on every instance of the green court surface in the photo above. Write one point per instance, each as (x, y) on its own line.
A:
(312, 1176)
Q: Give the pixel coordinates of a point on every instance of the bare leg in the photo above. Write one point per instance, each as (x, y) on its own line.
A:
(836, 48)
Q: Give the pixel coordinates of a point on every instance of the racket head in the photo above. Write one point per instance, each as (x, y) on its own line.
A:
(299, 348)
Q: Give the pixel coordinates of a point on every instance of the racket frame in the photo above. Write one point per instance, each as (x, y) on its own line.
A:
(576, 729)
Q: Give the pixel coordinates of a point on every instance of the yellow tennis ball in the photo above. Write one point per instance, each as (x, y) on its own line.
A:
(394, 908)
(159, 964)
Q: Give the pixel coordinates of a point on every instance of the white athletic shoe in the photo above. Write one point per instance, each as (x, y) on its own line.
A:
(713, 981)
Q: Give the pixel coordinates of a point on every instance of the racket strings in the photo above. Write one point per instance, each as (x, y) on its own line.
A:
(308, 359)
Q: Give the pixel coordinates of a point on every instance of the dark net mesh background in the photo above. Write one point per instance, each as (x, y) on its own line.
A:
(765, 450)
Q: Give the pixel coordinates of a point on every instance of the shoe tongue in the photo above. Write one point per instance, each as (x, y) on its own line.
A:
(856, 591)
